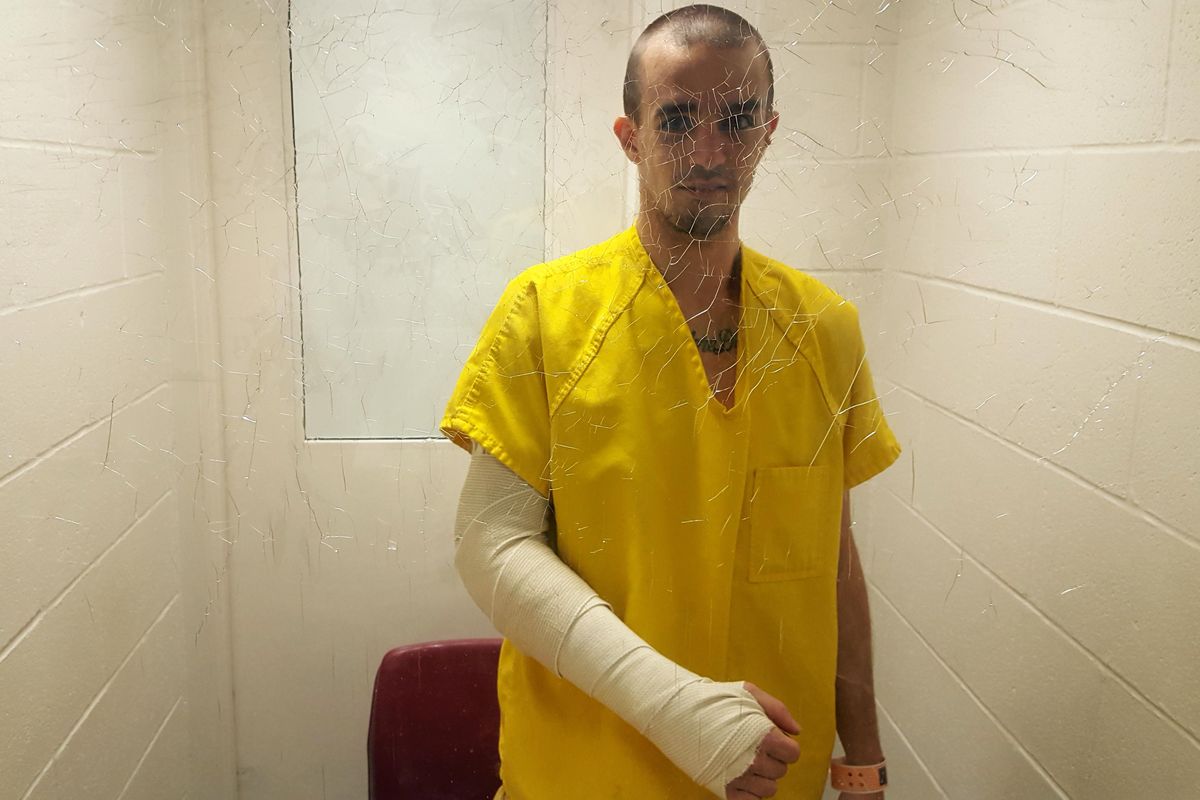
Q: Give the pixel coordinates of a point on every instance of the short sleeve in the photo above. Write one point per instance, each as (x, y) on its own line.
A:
(869, 446)
(500, 398)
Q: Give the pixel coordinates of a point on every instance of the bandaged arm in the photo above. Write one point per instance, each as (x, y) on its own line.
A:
(503, 554)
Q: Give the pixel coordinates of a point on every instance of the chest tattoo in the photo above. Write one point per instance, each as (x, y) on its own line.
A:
(723, 342)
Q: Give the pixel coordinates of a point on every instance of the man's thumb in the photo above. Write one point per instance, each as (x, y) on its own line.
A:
(775, 710)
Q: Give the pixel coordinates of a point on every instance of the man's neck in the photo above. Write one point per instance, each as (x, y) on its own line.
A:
(688, 264)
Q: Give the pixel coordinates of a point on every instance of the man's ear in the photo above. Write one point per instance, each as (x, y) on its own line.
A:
(772, 124)
(626, 133)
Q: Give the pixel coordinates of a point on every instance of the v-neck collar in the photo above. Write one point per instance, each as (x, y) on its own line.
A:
(650, 275)
(765, 287)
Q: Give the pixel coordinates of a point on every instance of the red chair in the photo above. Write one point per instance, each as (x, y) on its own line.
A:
(435, 722)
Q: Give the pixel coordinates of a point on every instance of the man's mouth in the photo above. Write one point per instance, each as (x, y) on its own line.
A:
(705, 189)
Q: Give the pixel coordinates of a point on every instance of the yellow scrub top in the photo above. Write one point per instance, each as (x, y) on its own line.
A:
(713, 532)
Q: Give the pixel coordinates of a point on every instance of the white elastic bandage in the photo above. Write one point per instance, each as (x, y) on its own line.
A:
(709, 730)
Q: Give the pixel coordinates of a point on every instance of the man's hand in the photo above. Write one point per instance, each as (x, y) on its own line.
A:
(775, 752)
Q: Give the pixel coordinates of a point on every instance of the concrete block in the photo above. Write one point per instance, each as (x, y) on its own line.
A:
(164, 764)
(809, 21)
(50, 676)
(114, 474)
(1165, 478)
(819, 97)
(75, 362)
(1129, 251)
(860, 287)
(928, 702)
(1060, 387)
(1183, 80)
(817, 216)
(879, 87)
(783, 22)
(63, 223)
(908, 777)
(79, 74)
(1041, 686)
(153, 207)
(1112, 580)
(992, 221)
(1030, 75)
(103, 753)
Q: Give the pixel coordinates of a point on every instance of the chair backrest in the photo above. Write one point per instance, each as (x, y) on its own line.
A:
(435, 722)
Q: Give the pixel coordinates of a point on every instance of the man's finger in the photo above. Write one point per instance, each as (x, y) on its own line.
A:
(768, 767)
(755, 786)
(733, 793)
(780, 746)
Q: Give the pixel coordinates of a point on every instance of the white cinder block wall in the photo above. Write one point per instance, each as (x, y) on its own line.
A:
(114, 641)
(1036, 334)
(1010, 191)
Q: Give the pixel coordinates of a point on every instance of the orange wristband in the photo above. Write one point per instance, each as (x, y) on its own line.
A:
(855, 779)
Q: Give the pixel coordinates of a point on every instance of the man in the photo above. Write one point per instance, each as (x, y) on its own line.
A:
(664, 428)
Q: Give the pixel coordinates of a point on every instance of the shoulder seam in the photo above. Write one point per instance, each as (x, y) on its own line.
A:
(588, 354)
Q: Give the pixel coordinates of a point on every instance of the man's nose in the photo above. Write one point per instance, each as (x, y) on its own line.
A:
(710, 145)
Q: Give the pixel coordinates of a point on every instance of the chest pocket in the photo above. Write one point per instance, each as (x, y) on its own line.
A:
(795, 523)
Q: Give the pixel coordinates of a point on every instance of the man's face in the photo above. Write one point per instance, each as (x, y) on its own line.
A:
(700, 132)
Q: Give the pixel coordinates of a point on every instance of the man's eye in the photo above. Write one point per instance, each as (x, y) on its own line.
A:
(740, 122)
(676, 123)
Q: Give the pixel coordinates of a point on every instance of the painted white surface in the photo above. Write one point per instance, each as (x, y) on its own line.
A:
(1034, 336)
(420, 160)
(115, 675)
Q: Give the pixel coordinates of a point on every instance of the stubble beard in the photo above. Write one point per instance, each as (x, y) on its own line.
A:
(700, 223)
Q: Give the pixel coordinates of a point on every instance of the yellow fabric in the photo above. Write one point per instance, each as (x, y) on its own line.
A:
(713, 532)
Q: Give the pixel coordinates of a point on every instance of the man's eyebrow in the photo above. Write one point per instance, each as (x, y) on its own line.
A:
(689, 107)
(670, 109)
(748, 106)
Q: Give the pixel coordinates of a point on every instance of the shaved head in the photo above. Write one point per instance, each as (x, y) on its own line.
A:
(686, 27)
